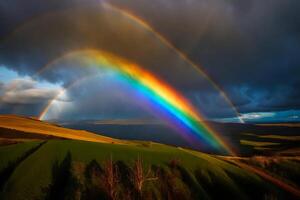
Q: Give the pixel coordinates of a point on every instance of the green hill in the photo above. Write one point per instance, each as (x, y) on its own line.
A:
(56, 168)
(194, 177)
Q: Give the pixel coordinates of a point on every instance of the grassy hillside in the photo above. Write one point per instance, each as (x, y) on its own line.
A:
(49, 162)
(196, 175)
(34, 126)
(11, 153)
(270, 144)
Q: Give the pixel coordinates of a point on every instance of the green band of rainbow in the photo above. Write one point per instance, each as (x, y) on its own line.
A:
(158, 92)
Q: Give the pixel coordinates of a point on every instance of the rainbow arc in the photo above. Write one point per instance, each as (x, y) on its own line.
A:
(157, 92)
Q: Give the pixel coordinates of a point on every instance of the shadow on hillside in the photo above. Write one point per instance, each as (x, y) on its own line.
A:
(6, 172)
(116, 180)
(63, 183)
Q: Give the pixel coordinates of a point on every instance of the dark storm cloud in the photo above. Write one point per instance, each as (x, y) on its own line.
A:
(253, 44)
(42, 39)
(250, 48)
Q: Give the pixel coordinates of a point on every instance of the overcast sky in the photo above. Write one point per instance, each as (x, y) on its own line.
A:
(250, 49)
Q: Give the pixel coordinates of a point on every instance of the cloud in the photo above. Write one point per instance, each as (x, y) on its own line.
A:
(60, 32)
(250, 48)
(253, 44)
(252, 116)
(275, 116)
(25, 91)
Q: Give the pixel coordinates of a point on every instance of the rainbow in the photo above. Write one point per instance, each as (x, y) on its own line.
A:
(158, 92)
(129, 15)
(42, 115)
(146, 26)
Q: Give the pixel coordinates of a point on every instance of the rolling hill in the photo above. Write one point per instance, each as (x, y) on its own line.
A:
(39, 128)
(51, 162)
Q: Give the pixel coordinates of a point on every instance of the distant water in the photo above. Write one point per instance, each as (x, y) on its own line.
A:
(153, 132)
(164, 134)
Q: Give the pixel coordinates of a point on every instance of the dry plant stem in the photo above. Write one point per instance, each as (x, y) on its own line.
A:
(139, 178)
(111, 179)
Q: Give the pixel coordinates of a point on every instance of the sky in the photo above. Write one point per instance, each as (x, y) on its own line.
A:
(248, 49)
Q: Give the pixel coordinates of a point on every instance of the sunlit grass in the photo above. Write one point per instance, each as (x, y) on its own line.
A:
(257, 143)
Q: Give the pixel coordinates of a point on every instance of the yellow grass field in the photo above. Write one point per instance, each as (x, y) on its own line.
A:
(32, 125)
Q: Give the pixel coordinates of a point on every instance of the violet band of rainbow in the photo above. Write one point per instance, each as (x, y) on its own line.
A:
(159, 93)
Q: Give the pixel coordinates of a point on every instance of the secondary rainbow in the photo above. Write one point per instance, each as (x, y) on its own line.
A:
(160, 37)
(158, 92)
(145, 25)
(42, 115)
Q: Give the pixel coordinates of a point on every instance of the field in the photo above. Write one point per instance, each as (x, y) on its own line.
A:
(201, 172)
(34, 126)
(42, 166)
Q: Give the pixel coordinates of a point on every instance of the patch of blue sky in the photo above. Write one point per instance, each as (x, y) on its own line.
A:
(261, 117)
(7, 75)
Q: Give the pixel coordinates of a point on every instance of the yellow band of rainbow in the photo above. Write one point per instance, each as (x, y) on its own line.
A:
(158, 92)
